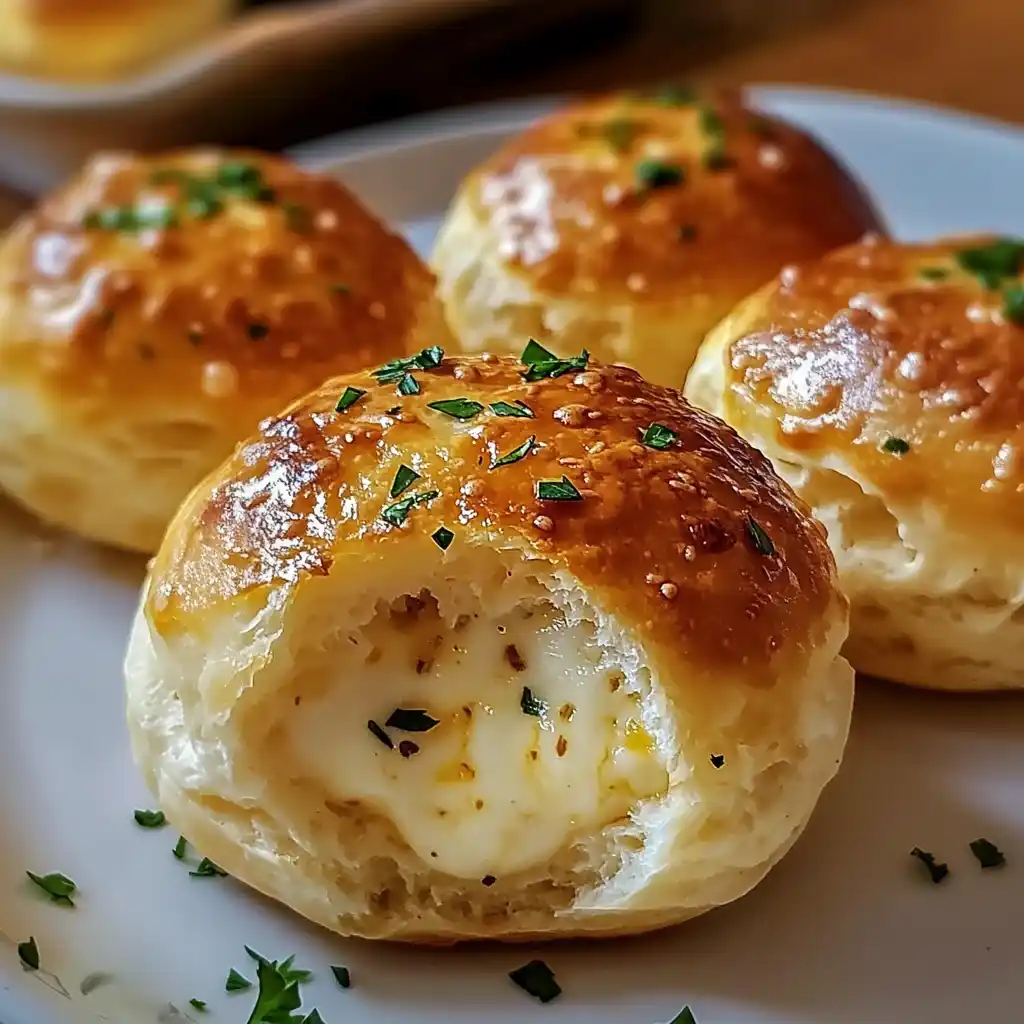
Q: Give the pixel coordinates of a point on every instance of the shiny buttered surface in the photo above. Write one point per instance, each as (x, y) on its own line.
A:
(154, 310)
(100, 39)
(885, 383)
(632, 224)
(481, 647)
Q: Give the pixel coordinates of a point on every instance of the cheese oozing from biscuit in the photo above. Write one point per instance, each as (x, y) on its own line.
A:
(506, 778)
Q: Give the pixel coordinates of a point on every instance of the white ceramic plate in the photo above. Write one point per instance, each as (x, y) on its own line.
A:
(846, 929)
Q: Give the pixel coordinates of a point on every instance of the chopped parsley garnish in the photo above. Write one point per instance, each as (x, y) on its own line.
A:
(457, 408)
(710, 122)
(397, 513)
(684, 1016)
(313, 1017)
(516, 454)
(237, 174)
(443, 537)
(558, 490)
(404, 479)
(687, 233)
(207, 869)
(380, 734)
(285, 966)
(896, 446)
(542, 364)
(1013, 304)
(179, 848)
(198, 1004)
(278, 993)
(58, 887)
(989, 855)
(519, 409)
(530, 705)
(411, 720)
(236, 982)
(349, 397)
(619, 132)
(538, 980)
(762, 542)
(933, 273)
(992, 263)
(150, 819)
(29, 954)
(717, 760)
(297, 217)
(715, 157)
(936, 871)
(676, 95)
(658, 436)
(396, 369)
(408, 385)
(130, 218)
(342, 976)
(257, 331)
(658, 174)
(204, 205)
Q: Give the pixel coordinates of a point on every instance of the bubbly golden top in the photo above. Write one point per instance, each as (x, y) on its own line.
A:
(671, 521)
(664, 195)
(906, 359)
(231, 278)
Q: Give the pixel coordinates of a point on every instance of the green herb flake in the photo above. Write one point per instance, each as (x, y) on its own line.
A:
(278, 995)
(652, 174)
(408, 385)
(558, 490)
(537, 980)
(380, 734)
(198, 1004)
(519, 409)
(992, 263)
(28, 952)
(762, 542)
(58, 887)
(396, 369)
(297, 217)
(516, 454)
(1013, 304)
(238, 174)
(411, 720)
(207, 869)
(313, 1017)
(896, 446)
(988, 854)
(711, 122)
(936, 871)
(457, 408)
(717, 760)
(933, 273)
(397, 513)
(348, 398)
(619, 132)
(541, 364)
(342, 976)
(675, 95)
(658, 436)
(203, 206)
(443, 537)
(684, 1016)
(530, 705)
(150, 819)
(236, 982)
(404, 479)
(179, 848)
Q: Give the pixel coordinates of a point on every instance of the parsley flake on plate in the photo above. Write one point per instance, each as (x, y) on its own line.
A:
(28, 952)
(517, 453)
(342, 976)
(541, 364)
(393, 371)
(538, 980)
(652, 174)
(380, 734)
(198, 1004)
(411, 720)
(530, 705)
(762, 542)
(519, 409)
(1013, 304)
(988, 854)
(936, 870)
(933, 273)
(207, 869)
(558, 490)
(457, 408)
(236, 982)
(404, 479)
(180, 847)
(993, 263)
(896, 446)
(443, 537)
(684, 1016)
(348, 398)
(397, 513)
(658, 436)
(408, 385)
(150, 819)
(58, 887)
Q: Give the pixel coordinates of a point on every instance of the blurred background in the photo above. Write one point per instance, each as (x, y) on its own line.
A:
(272, 73)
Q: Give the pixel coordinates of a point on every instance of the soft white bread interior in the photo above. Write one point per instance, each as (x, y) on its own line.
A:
(607, 699)
(884, 383)
(88, 40)
(156, 308)
(631, 224)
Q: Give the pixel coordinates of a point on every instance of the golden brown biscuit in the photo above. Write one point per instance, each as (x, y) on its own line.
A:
(502, 658)
(634, 224)
(154, 310)
(884, 381)
(98, 39)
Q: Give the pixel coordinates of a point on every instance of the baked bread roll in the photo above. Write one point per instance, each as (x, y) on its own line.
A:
(504, 658)
(884, 381)
(154, 310)
(99, 39)
(632, 225)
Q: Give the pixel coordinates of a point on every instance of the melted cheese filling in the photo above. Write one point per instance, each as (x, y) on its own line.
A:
(491, 788)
